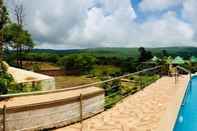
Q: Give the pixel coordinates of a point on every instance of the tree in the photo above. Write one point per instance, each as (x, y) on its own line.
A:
(4, 19)
(164, 53)
(78, 63)
(144, 55)
(19, 14)
(19, 39)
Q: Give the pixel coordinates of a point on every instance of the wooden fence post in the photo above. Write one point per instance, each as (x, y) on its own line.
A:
(81, 106)
(141, 84)
(81, 111)
(4, 118)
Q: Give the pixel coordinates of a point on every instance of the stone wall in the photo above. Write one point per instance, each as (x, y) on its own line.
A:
(53, 114)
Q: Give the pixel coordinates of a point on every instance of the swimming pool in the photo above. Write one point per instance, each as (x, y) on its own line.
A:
(187, 118)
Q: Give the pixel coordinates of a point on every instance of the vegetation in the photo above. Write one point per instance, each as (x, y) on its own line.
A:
(8, 85)
(4, 19)
(71, 81)
(105, 70)
(144, 55)
(12, 35)
(116, 90)
(18, 39)
(77, 63)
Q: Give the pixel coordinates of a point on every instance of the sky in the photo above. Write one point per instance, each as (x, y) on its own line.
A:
(71, 24)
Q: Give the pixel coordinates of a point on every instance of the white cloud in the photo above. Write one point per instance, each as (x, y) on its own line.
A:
(154, 5)
(189, 13)
(166, 29)
(94, 23)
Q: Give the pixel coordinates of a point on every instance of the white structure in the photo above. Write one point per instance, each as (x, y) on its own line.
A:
(27, 77)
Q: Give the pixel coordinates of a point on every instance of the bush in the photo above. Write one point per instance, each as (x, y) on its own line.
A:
(102, 71)
(8, 85)
(111, 87)
(36, 67)
(5, 81)
(19, 88)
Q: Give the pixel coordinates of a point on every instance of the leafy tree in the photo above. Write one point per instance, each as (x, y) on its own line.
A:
(164, 53)
(144, 55)
(19, 39)
(129, 65)
(3, 21)
(78, 63)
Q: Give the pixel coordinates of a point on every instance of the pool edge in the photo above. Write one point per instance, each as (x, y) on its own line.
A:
(167, 123)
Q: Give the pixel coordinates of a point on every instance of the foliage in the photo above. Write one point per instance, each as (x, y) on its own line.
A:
(123, 89)
(78, 63)
(47, 57)
(19, 88)
(18, 39)
(16, 36)
(6, 81)
(129, 65)
(4, 19)
(105, 70)
(185, 52)
(112, 99)
(35, 67)
(8, 85)
(144, 55)
(145, 80)
(111, 87)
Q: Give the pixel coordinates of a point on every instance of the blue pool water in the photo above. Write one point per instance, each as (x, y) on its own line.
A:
(187, 118)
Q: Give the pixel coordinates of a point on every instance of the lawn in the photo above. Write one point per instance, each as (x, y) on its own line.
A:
(71, 81)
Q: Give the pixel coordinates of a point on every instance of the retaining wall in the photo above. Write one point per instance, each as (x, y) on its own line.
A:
(58, 109)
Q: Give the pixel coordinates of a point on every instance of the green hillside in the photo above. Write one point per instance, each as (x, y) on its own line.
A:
(124, 52)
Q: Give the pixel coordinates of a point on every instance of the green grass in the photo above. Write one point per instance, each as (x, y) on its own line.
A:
(70, 81)
(103, 70)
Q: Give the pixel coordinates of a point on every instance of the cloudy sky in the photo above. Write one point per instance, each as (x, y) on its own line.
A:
(65, 24)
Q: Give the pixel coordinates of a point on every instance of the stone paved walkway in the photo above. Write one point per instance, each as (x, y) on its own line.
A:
(139, 112)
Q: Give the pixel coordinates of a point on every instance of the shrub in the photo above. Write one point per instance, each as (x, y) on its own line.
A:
(8, 85)
(36, 67)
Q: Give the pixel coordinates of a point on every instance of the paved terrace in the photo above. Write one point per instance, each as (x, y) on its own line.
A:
(142, 111)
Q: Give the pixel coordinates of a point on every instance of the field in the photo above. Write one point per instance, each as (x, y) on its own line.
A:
(41, 65)
(71, 81)
(98, 71)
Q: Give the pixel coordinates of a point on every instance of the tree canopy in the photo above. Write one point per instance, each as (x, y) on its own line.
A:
(144, 54)
(78, 63)
(4, 19)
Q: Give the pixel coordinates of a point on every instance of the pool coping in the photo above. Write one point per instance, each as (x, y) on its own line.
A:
(168, 122)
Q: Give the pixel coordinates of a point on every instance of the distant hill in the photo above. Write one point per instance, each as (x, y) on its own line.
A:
(125, 52)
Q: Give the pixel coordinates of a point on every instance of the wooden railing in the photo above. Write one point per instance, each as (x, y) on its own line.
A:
(77, 87)
(189, 86)
(3, 110)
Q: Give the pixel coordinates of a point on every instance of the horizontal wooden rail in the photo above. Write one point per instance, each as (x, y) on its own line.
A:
(76, 87)
(184, 69)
